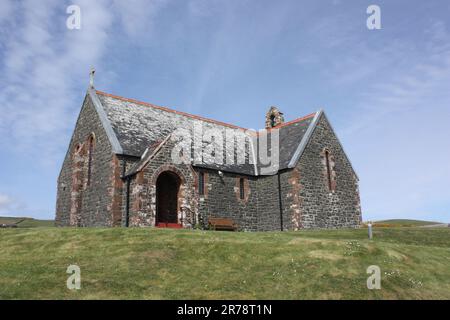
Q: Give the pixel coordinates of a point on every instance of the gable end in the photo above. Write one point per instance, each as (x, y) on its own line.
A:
(116, 147)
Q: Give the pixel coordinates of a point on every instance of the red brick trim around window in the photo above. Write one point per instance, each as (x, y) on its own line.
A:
(205, 183)
(90, 157)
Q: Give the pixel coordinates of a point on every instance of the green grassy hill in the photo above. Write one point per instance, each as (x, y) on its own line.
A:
(147, 263)
(404, 223)
(26, 222)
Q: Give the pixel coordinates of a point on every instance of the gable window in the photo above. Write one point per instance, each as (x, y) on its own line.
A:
(201, 183)
(328, 167)
(241, 189)
(90, 152)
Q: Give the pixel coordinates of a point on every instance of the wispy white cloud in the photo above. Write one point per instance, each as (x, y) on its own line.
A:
(6, 8)
(410, 88)
(9, 205)
(232, 44)
(402, 115)
(392, 118)
(44, 64)
(201, 8)
(137, 16)
(5, 201)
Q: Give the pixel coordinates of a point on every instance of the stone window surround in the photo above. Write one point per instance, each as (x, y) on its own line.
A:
(237, 189)
(205, 184)
(330, 184)
(76, 184)
(181, 191)
(241, 189)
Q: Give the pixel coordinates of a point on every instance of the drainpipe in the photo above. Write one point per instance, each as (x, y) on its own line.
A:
(127, 204)
(280, 202)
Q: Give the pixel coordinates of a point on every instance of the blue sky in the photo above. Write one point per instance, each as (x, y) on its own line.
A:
(385, 91)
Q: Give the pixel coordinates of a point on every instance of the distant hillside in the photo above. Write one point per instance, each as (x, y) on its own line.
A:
(23, 222)
(404, 223)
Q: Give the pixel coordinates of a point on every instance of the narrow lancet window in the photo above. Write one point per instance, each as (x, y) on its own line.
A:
(91, 150)
(241, 189)
(201, 183)
(327, 161)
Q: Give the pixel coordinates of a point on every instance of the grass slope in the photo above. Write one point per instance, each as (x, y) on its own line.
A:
(404, 223)
(147, 263)
(26, 222)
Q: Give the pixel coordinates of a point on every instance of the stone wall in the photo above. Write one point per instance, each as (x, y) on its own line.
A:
(93, 202)
(142, 196)
(268, 203)
(223, 199)
(319, 206)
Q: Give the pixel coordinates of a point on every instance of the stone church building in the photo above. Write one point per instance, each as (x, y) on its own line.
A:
(119, 170)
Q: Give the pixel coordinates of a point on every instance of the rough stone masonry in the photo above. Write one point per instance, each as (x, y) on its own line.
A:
(119, 171)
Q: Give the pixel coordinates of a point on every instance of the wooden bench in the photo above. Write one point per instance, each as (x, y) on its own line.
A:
(222, 224)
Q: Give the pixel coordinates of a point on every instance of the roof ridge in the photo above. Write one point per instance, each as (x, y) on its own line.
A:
(284, 124)
(250, 131)
(170, 110)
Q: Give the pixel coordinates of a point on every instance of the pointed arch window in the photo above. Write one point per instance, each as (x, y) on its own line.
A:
(90, 155)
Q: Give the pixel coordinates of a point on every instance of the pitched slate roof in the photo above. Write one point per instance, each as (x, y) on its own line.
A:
(291, 133)
(148, 155)
(138, 128)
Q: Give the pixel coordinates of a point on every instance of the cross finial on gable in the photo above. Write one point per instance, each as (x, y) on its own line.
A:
(91, 77)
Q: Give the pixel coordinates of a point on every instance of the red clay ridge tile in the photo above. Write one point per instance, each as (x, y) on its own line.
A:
(198, 117)
(170, 110)
(284, 124)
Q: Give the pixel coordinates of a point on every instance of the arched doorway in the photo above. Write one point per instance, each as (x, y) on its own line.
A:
(167, 189)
